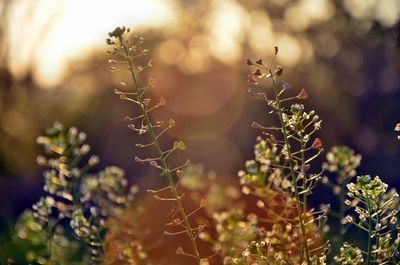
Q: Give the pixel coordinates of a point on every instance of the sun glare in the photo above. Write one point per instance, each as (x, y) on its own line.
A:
(63, 31)
(77, 27)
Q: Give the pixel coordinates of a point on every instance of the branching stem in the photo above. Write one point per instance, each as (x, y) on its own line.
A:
(369, 231)
(292, 170)
(164, 164)
(342, 210)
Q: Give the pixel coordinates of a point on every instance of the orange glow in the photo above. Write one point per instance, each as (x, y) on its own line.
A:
(171, 52)
(385, 11)
(226, 26)
(75, 29)
(63, 31)
(291, 46)
(261, 34)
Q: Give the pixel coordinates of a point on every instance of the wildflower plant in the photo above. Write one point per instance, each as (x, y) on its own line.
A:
(376, 213)
(235, 230)
(283, 158)
(75, 200)
(350, 255)
(83, 216)
(279, 232)
(342, 162)
(123, 245)
(127, 50)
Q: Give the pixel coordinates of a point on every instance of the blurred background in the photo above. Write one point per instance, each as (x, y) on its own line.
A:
(53, 67)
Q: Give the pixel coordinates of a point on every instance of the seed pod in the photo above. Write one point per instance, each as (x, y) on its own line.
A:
(259, 61)
(179, 251)
(303, 94)
(252, 81)
(279, 70)
(203, 203)
(317, 144)
(257, 73)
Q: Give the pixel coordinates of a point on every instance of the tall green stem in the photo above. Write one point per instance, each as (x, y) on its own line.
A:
(369, 232)
(342, 209)
(292, 171)
(164, 164)
(302, 147)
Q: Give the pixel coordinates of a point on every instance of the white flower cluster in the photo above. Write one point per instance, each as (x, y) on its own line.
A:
(85, 200)
(376, 209)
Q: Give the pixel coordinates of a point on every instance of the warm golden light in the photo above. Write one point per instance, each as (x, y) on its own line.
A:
(65, 31)
(292, 48)
(74, 29)
(386, 12)
(226, 25)
(303, 14)
(261, 34)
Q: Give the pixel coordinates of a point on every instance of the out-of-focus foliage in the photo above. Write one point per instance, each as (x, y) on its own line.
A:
(341, 163)
(69, 223)
(346, 53)
(351, 43)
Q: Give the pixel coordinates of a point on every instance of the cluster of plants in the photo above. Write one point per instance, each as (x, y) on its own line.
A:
(267, 217)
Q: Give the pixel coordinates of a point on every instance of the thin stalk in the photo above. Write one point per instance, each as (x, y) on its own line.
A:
(376, 254)
(292, 171)
(51, 228)
(77, 205)
(342, 208)
(163, 161)
(50, 232)
(302, 147)
(369, 232)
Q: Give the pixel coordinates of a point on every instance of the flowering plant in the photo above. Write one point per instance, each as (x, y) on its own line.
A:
(85, 216)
